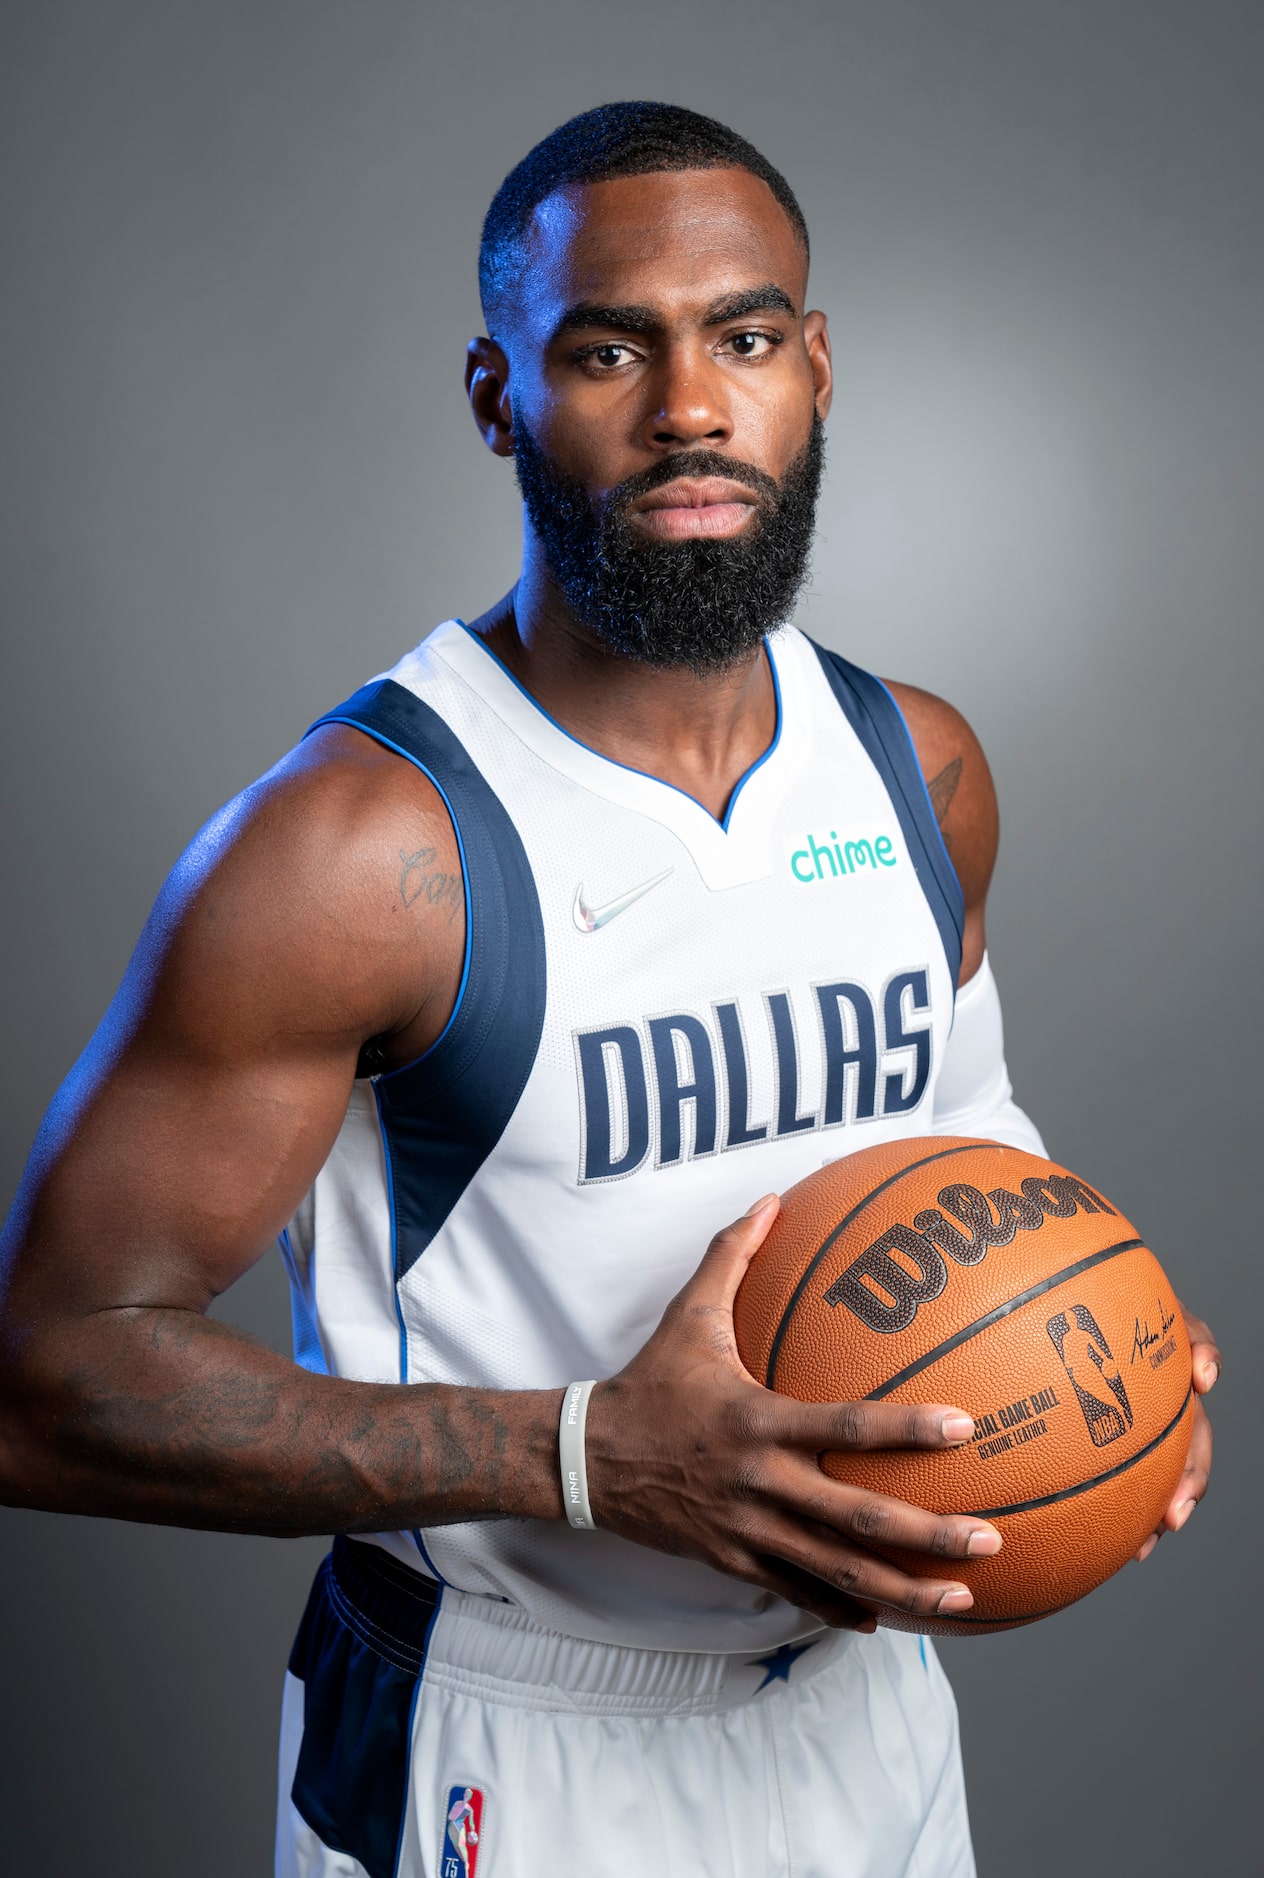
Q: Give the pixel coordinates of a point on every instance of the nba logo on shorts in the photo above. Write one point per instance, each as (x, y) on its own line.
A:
(462, 1830)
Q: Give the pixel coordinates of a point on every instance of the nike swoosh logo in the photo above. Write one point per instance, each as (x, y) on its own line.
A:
(592, 918)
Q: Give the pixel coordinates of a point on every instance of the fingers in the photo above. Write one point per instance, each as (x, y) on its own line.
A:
(830, 1581)
(724, 1263)
(836, 1509)
(810, 1594)
(1191, 1486)
(857, 1426)
(1204, 1351)
(862, 1575)
(1193, 1482)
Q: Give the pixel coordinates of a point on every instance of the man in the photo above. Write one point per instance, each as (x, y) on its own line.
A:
(493, 1000)
(462, 1835)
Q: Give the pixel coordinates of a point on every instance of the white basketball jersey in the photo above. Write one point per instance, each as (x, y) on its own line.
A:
(661, 1017)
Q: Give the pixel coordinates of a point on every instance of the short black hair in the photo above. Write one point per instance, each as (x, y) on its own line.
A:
(634, 138)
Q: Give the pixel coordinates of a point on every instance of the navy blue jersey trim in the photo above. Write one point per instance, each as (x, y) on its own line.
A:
(879, 722)
(388, 1168)
(309, 1352)
(346, 715)
(442, 1115)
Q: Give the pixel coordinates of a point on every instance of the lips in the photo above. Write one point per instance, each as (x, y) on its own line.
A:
(691, 507)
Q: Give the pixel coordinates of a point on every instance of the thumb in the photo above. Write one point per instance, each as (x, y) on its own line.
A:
(724, 1263)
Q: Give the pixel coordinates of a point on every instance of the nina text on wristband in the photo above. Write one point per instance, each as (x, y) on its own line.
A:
(570, 1448)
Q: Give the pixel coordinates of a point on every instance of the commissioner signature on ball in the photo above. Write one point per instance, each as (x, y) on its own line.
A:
(1143, 1338)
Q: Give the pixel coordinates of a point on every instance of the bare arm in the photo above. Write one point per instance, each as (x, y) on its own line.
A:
(963, 797)
(294, 945)
(320, 911)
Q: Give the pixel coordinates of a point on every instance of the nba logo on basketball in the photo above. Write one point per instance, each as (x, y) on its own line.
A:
(462, 1829)
(1093, 1371)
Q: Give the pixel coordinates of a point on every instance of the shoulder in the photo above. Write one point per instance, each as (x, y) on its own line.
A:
(959, 782)
(332, 886)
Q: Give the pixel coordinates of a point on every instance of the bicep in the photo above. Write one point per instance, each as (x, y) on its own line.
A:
(200, 1114)
(963, 798)
(175, 1152)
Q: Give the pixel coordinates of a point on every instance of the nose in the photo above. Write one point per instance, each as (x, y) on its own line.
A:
(689, 404)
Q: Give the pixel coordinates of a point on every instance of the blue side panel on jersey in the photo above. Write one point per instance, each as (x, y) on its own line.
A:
(359, 1654)
(308, 1350)
(879, 723)
(443, 1115)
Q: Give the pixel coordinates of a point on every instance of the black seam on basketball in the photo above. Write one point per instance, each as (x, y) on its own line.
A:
(1002, 1310)
(1069, 1493)
(942, 1155)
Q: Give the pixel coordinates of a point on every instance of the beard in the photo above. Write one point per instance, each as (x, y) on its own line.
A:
(700, 605)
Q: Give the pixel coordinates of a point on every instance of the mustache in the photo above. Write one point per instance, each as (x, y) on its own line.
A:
(692, 463)
(694, 605)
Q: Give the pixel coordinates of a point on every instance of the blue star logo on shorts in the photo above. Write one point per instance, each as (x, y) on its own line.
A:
(777, 1667)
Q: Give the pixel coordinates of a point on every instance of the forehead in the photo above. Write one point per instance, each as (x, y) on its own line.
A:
(671, 239)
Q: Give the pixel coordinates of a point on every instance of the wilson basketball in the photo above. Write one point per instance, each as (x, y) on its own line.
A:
(964, 1272)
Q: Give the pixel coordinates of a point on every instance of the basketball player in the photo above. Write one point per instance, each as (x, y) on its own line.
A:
(534, 964)
(462, 1834)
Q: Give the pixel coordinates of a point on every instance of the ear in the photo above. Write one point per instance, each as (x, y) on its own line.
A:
(487, 388)
(817, 340)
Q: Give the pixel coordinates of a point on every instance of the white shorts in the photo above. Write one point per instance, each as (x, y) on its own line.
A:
(430, 1734)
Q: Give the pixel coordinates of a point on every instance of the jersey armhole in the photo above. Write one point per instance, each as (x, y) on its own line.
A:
(442, 1114)
(345, 715)
(880, 725)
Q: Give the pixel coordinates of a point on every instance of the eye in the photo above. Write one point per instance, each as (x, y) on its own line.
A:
(752, 345)
(608, 356)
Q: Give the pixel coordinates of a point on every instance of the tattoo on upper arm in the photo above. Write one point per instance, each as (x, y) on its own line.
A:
(420, 879)
(942, 788)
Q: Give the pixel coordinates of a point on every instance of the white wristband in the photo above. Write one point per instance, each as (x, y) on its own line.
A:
(570, 1449)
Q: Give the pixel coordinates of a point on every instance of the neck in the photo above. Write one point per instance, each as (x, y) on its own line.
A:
(700, 734)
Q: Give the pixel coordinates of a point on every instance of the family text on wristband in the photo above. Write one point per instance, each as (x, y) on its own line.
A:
(570, 1448)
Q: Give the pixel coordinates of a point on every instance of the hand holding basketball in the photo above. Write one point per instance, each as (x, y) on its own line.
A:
(1021, 1290)
(1192, 1485)
(687, 1453)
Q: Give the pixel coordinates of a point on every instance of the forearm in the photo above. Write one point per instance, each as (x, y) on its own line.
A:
(166, 1416)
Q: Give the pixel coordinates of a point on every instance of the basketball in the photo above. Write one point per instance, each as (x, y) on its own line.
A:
(980, 1276)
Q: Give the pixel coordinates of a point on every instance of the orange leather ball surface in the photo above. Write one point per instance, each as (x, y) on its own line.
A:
(979, 1276)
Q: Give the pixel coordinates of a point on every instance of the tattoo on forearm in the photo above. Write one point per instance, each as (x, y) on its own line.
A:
(170, 1416)
(420, 879)
(943, 788)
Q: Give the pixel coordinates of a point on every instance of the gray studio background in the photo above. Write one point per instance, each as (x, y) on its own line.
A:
(239, 478)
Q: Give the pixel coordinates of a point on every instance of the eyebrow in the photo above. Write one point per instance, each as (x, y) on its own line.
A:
(624, 319)
(766, 299)
(587, 314)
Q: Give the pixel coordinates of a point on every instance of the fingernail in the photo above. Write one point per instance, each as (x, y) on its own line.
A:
(958, 1599)
(956, 1427)
(1211, 1375)
(758, 1206)
(984, 1542)
(1147, 1548)
(1183, 1512)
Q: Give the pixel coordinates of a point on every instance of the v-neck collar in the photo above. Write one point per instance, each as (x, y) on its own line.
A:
(728, 853)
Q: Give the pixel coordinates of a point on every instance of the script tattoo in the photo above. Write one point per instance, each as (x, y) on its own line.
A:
(419, 879)
(941, 789)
